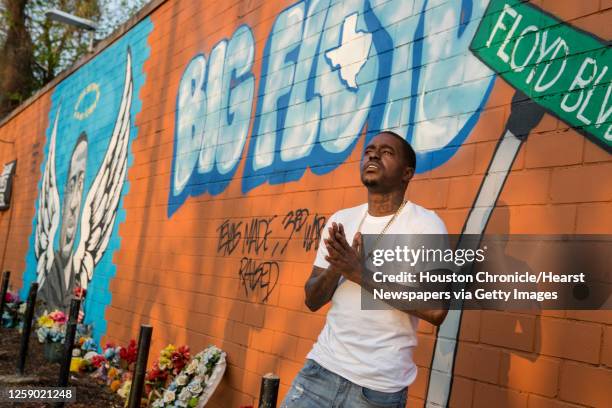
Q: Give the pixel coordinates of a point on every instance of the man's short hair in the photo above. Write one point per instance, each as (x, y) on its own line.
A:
(408, 151)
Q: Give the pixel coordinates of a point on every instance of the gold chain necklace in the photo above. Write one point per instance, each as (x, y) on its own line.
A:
(383, 230)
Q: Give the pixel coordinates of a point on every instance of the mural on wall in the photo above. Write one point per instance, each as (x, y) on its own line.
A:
(555, 68)
(91, 124)
(330, 70)
(63, 271)
(295, 100)
(334, 71)
(6, 184)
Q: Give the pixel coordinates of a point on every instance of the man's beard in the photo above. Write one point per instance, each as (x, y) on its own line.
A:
(369, 182)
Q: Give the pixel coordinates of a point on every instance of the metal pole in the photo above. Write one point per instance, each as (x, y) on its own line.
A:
(27, 328)
(75, 306)
(5, 281)
(64, 373)
(268, 394)
(144, 343)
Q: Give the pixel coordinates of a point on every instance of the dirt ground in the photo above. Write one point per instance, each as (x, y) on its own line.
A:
(89, 393)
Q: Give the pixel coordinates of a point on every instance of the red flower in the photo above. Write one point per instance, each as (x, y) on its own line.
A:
(184, 350)
(129, 354)
(98, 360)
(79, 292)
(180, 358)
(156, 374)
(132, 351)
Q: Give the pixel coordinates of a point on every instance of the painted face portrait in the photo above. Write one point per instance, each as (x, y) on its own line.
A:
(73, 196)
(83, 219)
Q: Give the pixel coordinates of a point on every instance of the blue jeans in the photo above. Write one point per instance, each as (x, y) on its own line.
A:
(317, 387)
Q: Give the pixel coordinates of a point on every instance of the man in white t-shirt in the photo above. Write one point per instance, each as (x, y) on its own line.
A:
(363, 358)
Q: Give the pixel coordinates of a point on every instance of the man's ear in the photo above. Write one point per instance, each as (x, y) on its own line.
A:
(408, 174)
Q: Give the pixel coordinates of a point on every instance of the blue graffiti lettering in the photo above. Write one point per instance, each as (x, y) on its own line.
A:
(331, 71)
(212, 118)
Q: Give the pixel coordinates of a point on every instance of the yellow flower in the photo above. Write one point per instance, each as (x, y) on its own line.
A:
(45, 321)
(168, 350)
(164, 363)
(124, 391)
(75, 364)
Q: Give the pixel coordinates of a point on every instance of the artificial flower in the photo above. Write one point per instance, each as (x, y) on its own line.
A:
(124, 390)
(89, 344)
(165, 363)
(159, 403)
(58, 316)
(195, 388)
(192, 367)
(45, 321)
(182, 379)
(112, 373)
(98, 360)
(129, 354)
(114, 386)
(11, 297)
(79, 292)
(184, 395)
(169, 396)
(41, 333)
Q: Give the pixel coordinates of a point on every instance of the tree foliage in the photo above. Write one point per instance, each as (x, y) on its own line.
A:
(35, 49)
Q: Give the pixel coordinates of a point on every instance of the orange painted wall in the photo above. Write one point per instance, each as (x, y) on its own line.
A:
(171, 273)
(22, 138)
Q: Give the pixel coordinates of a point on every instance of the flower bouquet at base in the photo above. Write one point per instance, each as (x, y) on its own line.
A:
(114, 367)
(51, 332)
(195, 384)
(13, 311)
(84, 346)
(170, 362)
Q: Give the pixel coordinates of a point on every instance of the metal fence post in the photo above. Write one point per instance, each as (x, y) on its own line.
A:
(268, 394)
(27, 328)
(144, 343)
(5, 281)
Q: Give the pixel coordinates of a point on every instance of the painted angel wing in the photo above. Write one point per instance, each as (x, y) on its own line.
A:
(47, 217)
(100, 209)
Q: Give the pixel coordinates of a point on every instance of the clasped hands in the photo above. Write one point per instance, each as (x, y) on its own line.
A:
(343, 258)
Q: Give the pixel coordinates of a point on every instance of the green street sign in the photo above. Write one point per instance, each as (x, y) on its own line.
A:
(562, 68)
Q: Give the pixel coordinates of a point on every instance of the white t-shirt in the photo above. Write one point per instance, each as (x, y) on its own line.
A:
(371, 348)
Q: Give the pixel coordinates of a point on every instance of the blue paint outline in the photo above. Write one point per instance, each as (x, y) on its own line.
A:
(212, 182)
(319, 160)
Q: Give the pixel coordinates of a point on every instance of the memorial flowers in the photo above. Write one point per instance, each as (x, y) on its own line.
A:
(170, 362)
(51, 327)
(11, 316)
(201, 374)
(113, 366)
(127, 355)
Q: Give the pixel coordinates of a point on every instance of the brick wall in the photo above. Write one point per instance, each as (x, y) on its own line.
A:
(220, 255)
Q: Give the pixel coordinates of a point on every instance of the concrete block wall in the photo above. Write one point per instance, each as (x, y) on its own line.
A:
(245, 135)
